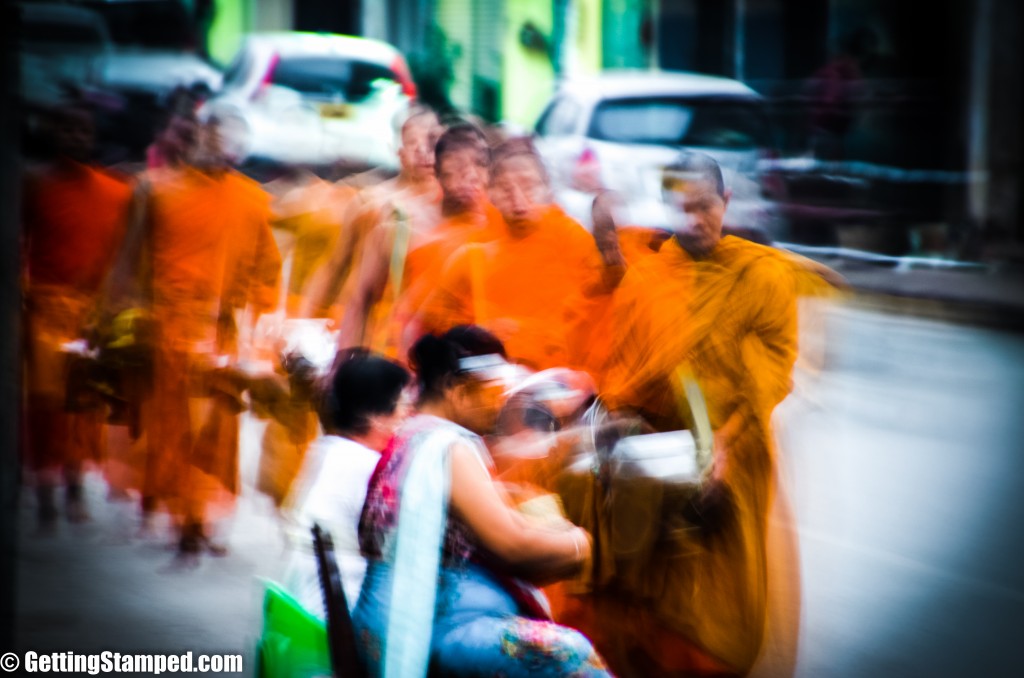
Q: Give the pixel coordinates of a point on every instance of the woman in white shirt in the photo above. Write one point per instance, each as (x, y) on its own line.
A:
(365, 401)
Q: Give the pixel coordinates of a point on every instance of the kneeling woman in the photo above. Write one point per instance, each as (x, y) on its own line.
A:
(449, 558)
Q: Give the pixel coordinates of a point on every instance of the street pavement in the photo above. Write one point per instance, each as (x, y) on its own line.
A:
(101, 586)
(903, 457)
(900, 447)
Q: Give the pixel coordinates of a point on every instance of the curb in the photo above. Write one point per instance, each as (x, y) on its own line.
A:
(978, 312)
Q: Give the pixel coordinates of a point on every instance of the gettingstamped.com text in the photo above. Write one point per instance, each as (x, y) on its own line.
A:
(120, 662)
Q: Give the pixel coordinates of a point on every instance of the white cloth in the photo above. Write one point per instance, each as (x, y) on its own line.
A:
(331, 492)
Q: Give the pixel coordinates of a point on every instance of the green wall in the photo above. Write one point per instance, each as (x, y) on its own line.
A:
(622, 48)
(455, 19)
(527, 76)
(231, 21)
(588, 36)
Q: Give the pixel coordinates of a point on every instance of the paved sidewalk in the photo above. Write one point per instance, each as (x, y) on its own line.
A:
(99, 586)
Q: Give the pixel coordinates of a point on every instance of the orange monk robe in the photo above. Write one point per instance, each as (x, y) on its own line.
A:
(592, 327)
(520, 288)
(730, 319)
(74, 219)
(331, 285)
(404, 220)
(312, 213)
(322, 217)
(425, 266)
(212, 254)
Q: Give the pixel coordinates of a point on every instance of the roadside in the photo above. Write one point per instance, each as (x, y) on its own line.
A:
(987, 296)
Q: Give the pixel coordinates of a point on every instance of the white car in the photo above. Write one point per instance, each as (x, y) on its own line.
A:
(313, 99)
(618, 129)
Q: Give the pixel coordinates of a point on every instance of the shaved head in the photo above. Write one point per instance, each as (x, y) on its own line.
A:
(692, 166)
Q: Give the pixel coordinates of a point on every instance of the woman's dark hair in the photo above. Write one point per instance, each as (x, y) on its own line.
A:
(362, 384)
(435, 359)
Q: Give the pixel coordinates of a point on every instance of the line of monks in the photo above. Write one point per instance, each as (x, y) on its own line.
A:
(167, 274)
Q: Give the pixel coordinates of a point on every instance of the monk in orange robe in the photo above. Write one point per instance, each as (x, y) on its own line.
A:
(592, 326)
(723, 310)
(413, 191)
(306, 209)
(74, 218)
(331, 223)
(405, 256)
(521, 286)
(204, 233)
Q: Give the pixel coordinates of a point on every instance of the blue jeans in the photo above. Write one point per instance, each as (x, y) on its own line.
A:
(478, 630)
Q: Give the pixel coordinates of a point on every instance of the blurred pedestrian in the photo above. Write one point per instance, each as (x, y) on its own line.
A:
(200, 242)
(366, 400)
(305, 216)
(722, 310)
(73, 216)
(414, 191)
(836, 91)
(451, 562)
(308, 209)
(338, 218)
(404, 256)
(521, 286)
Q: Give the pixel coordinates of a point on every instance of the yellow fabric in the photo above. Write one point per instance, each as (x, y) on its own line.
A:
(731, 319)
(312, 214)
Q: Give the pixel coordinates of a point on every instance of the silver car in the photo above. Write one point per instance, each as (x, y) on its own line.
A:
(618, 129)
(313, 99)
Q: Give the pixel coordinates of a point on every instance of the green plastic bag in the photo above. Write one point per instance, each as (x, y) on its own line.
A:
(294, 642)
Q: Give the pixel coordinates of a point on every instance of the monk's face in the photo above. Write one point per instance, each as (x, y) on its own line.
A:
(463, 178)
(416, 155)
(699, 211)
(519, 189)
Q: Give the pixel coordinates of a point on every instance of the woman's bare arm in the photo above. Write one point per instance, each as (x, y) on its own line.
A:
(529, 550)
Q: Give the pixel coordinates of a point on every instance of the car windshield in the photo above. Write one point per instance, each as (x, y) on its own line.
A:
(330, 77)
(155, 24)
(711, 122)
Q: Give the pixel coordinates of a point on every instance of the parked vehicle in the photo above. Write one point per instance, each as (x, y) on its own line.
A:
(618, 129)
(314, 99)
(61, 47)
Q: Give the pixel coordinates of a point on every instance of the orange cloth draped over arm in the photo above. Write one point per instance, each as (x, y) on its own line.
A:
(592, 324)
